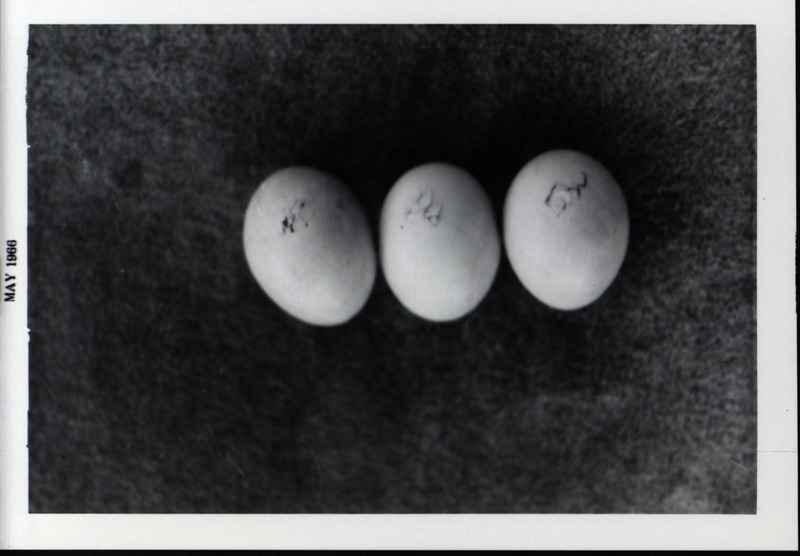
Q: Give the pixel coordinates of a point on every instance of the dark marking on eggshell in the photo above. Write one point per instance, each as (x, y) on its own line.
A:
(292, 215)
(427, 206)
(561, 196)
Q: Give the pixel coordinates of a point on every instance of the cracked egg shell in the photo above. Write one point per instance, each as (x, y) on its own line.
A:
(565, 228)
(308, 244)
(439, 241)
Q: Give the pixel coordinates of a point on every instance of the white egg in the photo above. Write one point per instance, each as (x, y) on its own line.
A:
(309, 247)
(565, 228)
(439, 242)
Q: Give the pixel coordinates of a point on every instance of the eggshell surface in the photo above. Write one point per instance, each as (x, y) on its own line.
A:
(439, 241)
(308, 245)
(565, 228)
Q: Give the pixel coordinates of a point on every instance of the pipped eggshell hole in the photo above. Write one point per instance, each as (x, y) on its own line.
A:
(565, 228)
(308, 245)
(439, 242)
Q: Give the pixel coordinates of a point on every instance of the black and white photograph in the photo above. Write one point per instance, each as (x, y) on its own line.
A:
(441, 268)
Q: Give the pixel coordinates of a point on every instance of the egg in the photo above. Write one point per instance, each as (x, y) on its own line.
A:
(308, 245)
(565, 228)
(439, 241)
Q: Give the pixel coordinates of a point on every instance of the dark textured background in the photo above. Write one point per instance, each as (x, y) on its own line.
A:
(163, 380)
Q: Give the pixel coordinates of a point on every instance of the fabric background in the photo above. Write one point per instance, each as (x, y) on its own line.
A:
(162, 379)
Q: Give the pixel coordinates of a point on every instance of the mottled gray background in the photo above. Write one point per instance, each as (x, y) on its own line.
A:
(163, 380)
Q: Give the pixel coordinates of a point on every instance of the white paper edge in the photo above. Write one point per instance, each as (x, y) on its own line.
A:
(773, 527)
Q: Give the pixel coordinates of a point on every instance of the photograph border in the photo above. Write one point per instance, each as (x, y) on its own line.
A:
(774, 526)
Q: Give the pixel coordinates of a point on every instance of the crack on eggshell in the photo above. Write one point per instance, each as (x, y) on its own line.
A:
(426, 206)
(561, 196)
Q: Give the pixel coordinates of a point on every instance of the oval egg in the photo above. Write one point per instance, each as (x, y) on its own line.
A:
(308, 244)
(565, 228)
(439, 242)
